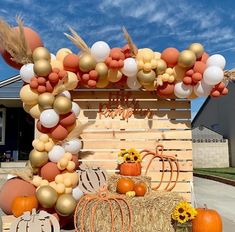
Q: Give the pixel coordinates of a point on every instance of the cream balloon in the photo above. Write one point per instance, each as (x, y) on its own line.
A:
(27, 73)
(72, 81)
(28, 96)
(49, 118)
(133, 83)
(216, 60)
(53, 57)
(130, 67)
(100, 51)
(213, 75)
(35, 111)
(77, 193)
(56, 153)
(57, 64)
(182, 91)
(65, 94)
(75, 109)
(62, 53)
(72, 146)
(201, 89)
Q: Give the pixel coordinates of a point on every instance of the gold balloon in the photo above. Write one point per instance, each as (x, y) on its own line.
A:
(151, 87)
(102, 83)
(41, 53)
(146, 78)
(47, 196)
(37, 158)
(35, 111)
(42, 68)
(65, 205)
(179, 72)
(197, 48)
(28, 96)
(46, 100)
(72, 81)
(57, 64)
(87, 62)
(192, 96)
(102, 69)
(62, 53)
(62, 105)
(187, 59)
(114, 75)
(161, 66)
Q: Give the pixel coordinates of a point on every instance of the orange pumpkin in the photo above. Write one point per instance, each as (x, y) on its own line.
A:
(130, 169)
(23, 204)
(125, 185)
(207, 220)
(140, 189)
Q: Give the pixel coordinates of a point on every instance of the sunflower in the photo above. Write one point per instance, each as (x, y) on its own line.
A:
(120, 160)
(136, 158)
(122, 153)
(133, 151)
(183, 217)
(127, 158)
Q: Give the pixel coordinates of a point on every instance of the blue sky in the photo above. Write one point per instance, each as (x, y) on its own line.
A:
(155, 24)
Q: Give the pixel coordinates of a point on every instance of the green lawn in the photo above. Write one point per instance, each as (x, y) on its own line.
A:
(228, 173)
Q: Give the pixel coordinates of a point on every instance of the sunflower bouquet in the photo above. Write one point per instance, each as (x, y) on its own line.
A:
(129, 156)
(182, 215)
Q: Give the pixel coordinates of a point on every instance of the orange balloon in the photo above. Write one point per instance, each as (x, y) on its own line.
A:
(204, 57)
(67, 119)
(166, 89)
(187, 80)
(71, 63)
(199, 67)
(170, 56)
(59, 132)
(49, 171)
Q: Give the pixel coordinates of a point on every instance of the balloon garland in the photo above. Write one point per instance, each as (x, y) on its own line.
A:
(48, 79)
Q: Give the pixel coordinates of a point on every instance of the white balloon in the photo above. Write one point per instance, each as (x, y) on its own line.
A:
(181, 90)
(49, 118)
(213, 75)
(77, 193)
(226, 82)
(130, 67)
(66, 93)
(75, 108)
(216, 60)
(73, 146)
(27, 73)
(133, 83)
(56, 153)
(100, 51)
(201, 89)
(53, 57)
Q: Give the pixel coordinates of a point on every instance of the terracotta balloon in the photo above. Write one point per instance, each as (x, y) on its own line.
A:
(42, 129)
(33, 41)
(67, 119)
(204, 57)
(14, 188)
(75, 160)
(199, 67)
(166, 89)
(59, 132)
(49, 171)
(71, 62)
(170, 56)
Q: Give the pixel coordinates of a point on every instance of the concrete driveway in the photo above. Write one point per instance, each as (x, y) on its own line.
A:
(217, 196)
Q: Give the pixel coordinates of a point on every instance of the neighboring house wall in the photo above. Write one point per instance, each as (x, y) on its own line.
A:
(218, 114)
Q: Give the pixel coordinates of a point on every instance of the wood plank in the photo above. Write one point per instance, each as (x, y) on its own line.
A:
(112, 154)
(147, 134)
(180, 186)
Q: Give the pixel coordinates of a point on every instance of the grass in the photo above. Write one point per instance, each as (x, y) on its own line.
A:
(227, 173)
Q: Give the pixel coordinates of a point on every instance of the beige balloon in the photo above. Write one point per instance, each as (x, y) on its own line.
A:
(102, 83)
(101, 69)
(72, 81)
(47, 196)
(187, 59)
(42, 68)
(197, 48)
(46, 100)
(28, 96)
(161, 66)
(62, 105)
(37, 158)
(62, 53)
(57, 64)
(65, 205)
(114, 75)
(87, 62)
(41, 53)
(146, 78)
(35, 111)
(27, 107)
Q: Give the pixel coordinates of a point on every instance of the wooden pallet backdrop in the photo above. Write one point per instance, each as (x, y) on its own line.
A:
(169, 125)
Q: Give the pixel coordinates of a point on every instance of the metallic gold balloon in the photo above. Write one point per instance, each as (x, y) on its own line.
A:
(41, 53)
(146, 78)
(187, 59)
(46, 100)
(35, 111)
(102, 69)
(62, 105)
(65, 205)
(114, 75)
(151, 87)
(197, 48)
(87, 62)
(179, 72)
(161, 66)
(28, 96)
(47, 196)
(102, 83)
(42, 68)
(37, 158)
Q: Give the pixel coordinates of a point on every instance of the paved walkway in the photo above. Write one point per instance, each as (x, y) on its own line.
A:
(217, 196)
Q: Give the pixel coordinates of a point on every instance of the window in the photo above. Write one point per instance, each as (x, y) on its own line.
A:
(2, 126)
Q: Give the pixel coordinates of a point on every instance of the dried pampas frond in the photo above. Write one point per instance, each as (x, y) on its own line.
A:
(14, 42)
(133, 48)
(77, 40)
(229, 75)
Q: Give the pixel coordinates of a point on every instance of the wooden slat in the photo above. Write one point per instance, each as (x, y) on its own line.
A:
(183, 176)
(180, 187)
(186, 196)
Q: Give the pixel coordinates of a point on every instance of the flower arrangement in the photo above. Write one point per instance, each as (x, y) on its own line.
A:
(129, 156)
(183, 214)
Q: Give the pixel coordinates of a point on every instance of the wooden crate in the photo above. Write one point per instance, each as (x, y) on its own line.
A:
(155, 121)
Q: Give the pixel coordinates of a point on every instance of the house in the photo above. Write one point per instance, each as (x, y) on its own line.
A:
(218, 115)
(16, 126)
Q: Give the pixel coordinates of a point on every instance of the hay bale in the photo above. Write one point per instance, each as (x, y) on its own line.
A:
(151, 213)
(113, 179)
